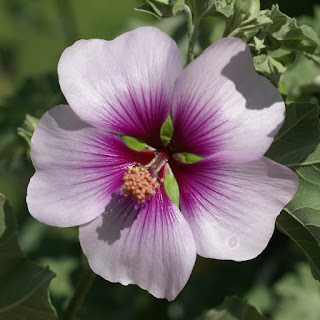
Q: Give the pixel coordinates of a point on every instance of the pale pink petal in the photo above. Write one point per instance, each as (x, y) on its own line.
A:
(124, 85)
(221, 103)
(150, 245)
(231, 201)
(78, 168)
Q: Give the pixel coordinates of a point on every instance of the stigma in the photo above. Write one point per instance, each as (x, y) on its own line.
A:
(139, 184)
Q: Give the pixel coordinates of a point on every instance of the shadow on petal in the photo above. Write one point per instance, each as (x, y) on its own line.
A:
(257, 90)
(119, 214)
(67, 119)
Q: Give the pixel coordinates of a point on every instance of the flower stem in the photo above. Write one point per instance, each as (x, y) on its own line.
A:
(67, 20)
(84, 285)
(193, 24)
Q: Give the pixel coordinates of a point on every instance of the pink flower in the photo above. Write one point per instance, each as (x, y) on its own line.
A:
(85, 175)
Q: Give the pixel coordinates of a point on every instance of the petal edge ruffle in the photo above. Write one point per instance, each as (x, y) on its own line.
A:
(151, 246)
(221, 103)
(78, 167)
(125, 85)
(231, 201)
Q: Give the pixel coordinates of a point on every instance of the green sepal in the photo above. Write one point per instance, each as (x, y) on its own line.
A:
(134, 143)
(172, 188)
(187, 157)
(166, 130)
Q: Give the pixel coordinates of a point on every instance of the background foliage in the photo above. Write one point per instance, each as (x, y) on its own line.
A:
(278, 283)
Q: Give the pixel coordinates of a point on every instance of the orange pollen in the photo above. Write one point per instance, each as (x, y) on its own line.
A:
(138, 183)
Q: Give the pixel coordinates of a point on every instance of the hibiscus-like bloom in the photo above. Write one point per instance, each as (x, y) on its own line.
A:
(130, 230)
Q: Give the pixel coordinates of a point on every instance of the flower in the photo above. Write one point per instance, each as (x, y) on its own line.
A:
(130, 230)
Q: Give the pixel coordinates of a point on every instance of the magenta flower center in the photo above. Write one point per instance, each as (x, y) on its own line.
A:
(140, 182)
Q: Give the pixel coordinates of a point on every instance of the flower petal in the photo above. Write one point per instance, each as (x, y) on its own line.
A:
(221, 103)
(124, 85)
(78, 168)
(149, 245)
(231, 201)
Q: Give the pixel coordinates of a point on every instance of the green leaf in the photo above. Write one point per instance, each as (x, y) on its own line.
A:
(299, 75)
(35, 307)
(166, 130)
(297, 145)
(311, 87)
(23, 284)
(268, 31)
(298, 296)
(312, 21)
(36, 95)
(9, 246)
(305, 206)
(178, 6)
(187, 157)
(263, 42)
(246, 28)
(260, 296)
(27, 128)
(233, 308)
(285, 57)
(269, 67)
(247, 6)
(211, 8)
(61, 286)
(158, 9)
(298, 136)
(299, 233)
(301, 39)
(172, 188)
(134, 143)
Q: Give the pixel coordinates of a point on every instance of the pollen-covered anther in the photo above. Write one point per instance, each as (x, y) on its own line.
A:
(139, 184)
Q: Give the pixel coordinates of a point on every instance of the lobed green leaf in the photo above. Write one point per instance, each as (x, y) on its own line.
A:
(247, 6)
(269, 67)
(297, 145)
(299, 136)
(300, 235)
(302, 39)
(248, 26)
(23, 284)
(274, 38)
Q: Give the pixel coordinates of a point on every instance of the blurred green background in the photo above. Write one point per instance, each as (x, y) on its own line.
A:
(33, 34)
